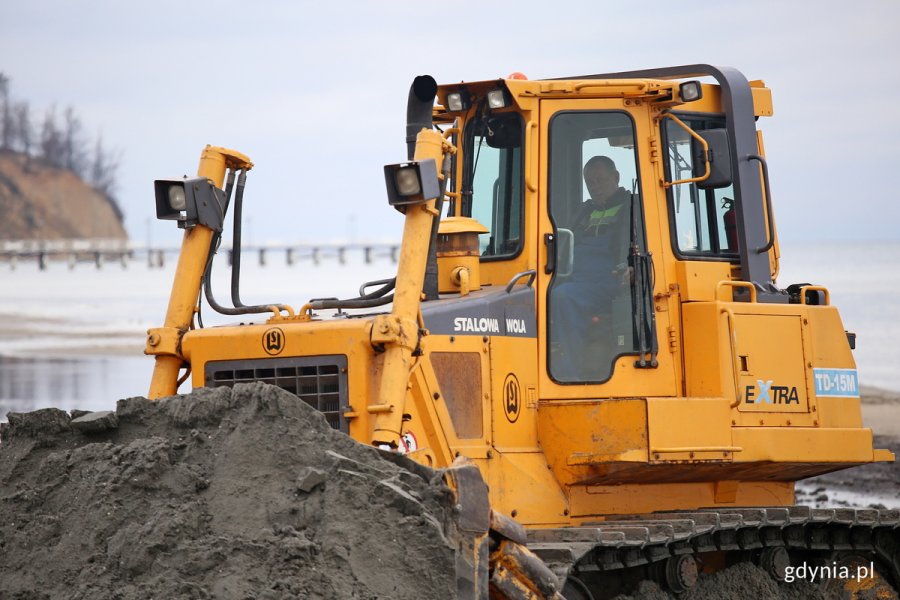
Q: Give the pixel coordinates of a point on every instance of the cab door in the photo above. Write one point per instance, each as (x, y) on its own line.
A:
(600, 327)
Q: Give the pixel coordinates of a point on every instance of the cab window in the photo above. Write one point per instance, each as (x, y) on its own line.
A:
(703, 221)
(493, 186)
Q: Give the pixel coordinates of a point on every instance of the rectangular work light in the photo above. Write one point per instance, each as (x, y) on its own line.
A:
(191, 202)
(458, 101)
(412, 182)
(497, 98)
(690, 91)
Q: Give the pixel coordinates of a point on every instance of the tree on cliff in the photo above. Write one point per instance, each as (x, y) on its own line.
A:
(23, 129)
(63, 146)
(6, 119)
(51, 139)
(104, 167)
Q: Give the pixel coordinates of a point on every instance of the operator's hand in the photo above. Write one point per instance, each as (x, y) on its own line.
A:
(624, 273)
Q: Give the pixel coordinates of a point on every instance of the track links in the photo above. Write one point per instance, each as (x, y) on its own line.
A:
(636, 540)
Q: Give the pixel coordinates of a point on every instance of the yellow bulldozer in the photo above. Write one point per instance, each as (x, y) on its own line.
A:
(585, 317)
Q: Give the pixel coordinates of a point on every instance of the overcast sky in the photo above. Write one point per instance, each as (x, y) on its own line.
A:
(315, 93)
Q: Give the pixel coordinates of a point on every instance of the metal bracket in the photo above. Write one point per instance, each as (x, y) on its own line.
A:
(389, 330)
(164, 341)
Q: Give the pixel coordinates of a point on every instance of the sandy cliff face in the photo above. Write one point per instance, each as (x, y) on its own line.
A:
(42, 202)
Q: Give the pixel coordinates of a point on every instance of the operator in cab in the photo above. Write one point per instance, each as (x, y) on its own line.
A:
(581, 308)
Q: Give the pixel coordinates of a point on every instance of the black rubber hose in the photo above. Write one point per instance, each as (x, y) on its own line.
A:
(224, 310)
(387, 285)
(239, 309)
(354, 303)
(236, 241)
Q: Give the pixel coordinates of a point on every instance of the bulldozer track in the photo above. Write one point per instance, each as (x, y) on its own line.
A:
(636, 540)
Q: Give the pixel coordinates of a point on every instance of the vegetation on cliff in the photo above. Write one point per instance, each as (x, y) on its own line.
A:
(55, 182)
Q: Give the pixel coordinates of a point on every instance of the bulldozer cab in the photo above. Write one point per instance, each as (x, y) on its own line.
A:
(561, 176)
(620, 191)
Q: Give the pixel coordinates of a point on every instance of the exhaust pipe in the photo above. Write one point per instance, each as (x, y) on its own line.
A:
(418, 116)
(418, 110)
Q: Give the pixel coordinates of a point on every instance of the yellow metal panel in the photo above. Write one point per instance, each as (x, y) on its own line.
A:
(709, 370)
(883, 455)
(762, 99)
(829, 345)
(806, 444)
(839, 412)
(689, 429)
(578, 435)
(522, 486)
(768, 350)
(697, 280)
(426, 386)
(248, 341)
(710, 101)
(513, 401)
(771, 358)
(598, 500)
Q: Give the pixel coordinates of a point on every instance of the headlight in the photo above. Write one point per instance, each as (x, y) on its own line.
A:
(497, 99)
(407, 181)
(458, 101)
(413, 182)
(690, 91)
(191, 202)
(176, 198)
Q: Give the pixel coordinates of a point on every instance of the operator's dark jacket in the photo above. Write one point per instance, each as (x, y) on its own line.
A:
(602, 238)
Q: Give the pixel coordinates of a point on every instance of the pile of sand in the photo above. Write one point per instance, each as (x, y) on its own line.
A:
(244, 493)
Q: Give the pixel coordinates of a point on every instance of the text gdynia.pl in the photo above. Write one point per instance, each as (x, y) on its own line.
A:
(813, 573)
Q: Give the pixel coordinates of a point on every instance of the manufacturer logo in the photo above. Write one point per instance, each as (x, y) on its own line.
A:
(516, 326)
(471, 324)
(764, 392)
(512, 398)
(273, 341)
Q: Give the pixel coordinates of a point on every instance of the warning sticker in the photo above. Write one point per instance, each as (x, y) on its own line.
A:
(408, 443)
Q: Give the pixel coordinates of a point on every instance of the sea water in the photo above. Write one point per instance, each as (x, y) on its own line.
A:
(73, 338)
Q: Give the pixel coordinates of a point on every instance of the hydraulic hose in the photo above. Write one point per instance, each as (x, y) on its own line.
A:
(239, 307)
(352, 303)
(236, 241)
(387, 285)
(370, 300)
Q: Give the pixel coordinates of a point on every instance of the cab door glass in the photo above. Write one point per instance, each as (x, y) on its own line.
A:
(595, 208)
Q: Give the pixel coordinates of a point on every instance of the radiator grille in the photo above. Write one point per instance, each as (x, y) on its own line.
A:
(320, 381)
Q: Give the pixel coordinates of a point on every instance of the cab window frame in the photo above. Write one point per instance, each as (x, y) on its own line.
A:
(710, 121)
(466, 205)
(638, 198)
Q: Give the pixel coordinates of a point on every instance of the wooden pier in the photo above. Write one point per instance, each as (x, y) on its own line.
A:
(101, 251)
